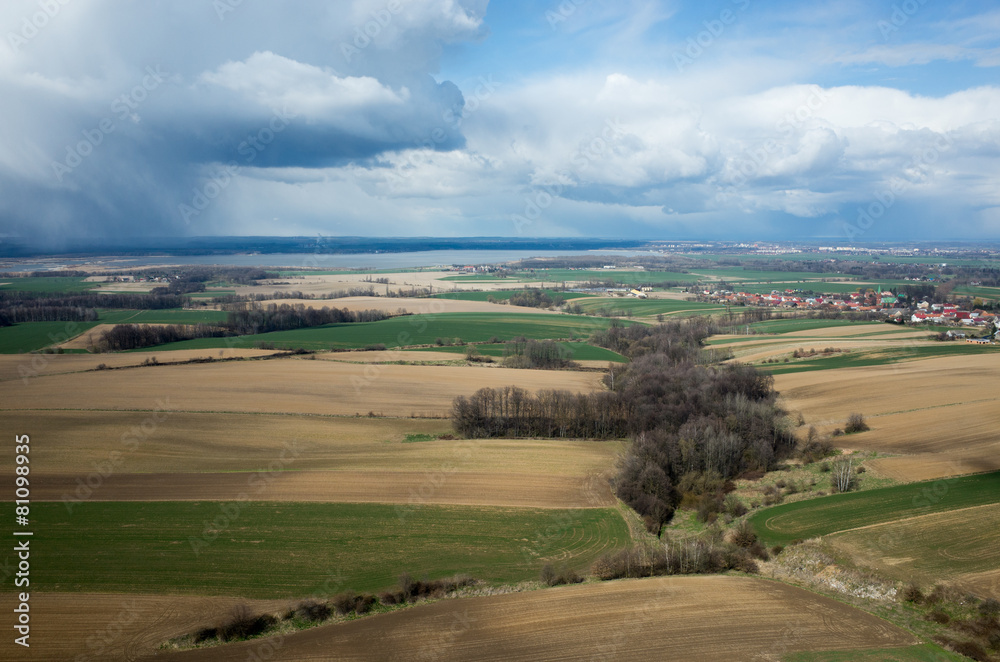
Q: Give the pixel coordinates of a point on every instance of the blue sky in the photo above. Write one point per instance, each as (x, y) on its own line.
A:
(841, 122)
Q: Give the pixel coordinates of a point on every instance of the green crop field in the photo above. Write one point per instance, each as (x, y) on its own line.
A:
(919, 653)
(840, 512)
(44, 284)
(878, 357)
(802, 324)
(503, 295)
(31, 336)
(736, 274)
(283, 550)
(415, 330)
(575, 351)
(647, 307)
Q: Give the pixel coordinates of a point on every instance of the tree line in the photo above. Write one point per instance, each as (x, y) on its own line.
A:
(251, 320)
(692, 424)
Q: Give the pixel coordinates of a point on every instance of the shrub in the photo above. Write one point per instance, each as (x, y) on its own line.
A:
(911, 593)
(550, 577)
(971, 649)
(313, 611)
(855, 423)
(990, 607)
(733, 506)
(204, 634)
(743, 535)
(343, 603)
(243, 624)
(939, 616)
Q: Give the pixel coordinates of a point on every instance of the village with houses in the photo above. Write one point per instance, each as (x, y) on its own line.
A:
(972, 325)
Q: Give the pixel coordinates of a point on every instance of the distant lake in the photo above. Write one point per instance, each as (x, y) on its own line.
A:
(305, 260)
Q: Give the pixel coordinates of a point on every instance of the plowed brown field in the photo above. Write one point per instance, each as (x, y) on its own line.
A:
(675, 618)
(97, 627)
(941, 414)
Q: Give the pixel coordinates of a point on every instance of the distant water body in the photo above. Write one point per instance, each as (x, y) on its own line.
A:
(304, 260)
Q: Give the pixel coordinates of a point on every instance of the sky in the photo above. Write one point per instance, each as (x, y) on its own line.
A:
(840, 122)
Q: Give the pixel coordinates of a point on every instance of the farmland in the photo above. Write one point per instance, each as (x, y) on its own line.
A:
(504, 295)
(629, 277)
(912, 408)
(415, 330)
(290, 385)
(149, 545)
(46, 284)
(575, 351)
(820, 517)
(663, 618)
(622, 306)
(344, 462)
(957, 546)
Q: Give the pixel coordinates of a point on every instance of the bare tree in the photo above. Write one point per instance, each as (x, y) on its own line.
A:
(843, 474)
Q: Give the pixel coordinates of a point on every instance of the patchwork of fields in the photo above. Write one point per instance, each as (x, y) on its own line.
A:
(184, 489)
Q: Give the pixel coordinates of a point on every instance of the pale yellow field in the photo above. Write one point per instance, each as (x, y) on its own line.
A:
(25, 367)
(942, 413)
(957, 547)
(753, 352)
(185, 456)
(673, 618)
(323, 284)
(285, 385)
(424, 306)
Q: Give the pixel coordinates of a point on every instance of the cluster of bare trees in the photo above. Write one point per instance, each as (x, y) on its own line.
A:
(15, 314)
(18, 307)
(250, 320)
(544, 354)
(124, 337)
(514, 412)
(274, 317)
(691, 423)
